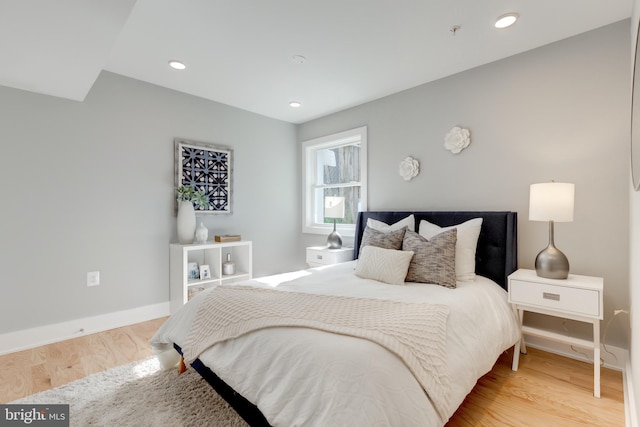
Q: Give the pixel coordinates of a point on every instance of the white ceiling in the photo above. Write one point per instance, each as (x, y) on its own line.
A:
(239, 52)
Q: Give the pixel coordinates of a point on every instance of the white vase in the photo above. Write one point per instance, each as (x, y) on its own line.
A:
(186, 222)
(201, 234)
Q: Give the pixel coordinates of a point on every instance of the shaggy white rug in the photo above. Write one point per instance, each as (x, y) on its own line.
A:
(141, 394)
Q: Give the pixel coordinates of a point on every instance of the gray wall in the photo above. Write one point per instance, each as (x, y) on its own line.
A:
(90, 186)
(558, 112)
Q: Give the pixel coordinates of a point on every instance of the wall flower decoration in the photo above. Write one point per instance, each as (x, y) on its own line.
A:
(409, 168)
(457, 139)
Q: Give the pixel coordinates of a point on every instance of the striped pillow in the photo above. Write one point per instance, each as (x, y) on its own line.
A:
(390, 240)
(434, 261)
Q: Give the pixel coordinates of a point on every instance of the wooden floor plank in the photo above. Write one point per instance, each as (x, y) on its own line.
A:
(31, 371)
(547, 389)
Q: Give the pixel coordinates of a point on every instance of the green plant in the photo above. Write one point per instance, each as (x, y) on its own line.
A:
(187, 193)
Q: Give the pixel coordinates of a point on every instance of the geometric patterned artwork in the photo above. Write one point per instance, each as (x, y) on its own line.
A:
(205, 167)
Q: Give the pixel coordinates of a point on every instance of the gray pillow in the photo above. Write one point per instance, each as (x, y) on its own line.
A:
(389, 240)
(434, 261)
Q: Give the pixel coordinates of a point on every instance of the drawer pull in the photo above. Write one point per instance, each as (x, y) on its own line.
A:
(319, 256)
(554, 297)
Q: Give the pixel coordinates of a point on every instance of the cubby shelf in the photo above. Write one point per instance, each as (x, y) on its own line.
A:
(211, 254)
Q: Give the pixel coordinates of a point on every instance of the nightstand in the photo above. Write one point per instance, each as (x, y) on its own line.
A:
(577, 298)
(322, 255)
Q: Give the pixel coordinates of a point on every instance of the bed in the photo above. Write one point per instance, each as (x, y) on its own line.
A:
(349, 343)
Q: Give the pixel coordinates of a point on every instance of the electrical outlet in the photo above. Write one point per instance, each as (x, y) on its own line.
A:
(93, 278)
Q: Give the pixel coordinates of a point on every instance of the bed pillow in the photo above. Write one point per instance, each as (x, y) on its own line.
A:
(409, 222)
(390, 240)
(384, 265)
(434, 260)
(467, 240)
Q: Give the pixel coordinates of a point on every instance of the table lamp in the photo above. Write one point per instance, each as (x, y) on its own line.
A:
(553, 202)
(334, 208)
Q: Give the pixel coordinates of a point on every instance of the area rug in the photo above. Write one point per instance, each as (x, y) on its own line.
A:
(141, 394)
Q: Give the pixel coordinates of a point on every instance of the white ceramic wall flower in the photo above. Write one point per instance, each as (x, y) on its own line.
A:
(409, 168)
(457, 139)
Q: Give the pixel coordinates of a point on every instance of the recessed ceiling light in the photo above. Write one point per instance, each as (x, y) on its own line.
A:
(506, 20)
(295, 104)
(177, 65)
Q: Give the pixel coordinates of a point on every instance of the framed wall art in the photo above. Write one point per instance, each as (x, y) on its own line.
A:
(206, 167)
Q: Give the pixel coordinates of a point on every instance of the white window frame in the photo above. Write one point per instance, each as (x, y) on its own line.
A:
(309, 174)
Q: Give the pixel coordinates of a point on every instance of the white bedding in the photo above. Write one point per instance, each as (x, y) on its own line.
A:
(300, 376)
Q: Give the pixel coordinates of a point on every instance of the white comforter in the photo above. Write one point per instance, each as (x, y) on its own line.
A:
(307, 377)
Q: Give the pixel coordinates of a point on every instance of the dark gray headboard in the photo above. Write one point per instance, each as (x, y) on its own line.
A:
(497, 250)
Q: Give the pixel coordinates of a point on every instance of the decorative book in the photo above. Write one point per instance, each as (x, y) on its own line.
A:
(228, 238)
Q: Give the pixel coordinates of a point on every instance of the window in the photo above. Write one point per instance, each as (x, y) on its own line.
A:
(334, 166)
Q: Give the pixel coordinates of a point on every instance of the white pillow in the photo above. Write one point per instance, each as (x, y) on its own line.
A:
(384, 265)
(408, 222)
(466, 243)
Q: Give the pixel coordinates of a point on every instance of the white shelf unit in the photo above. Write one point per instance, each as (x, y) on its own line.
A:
(211, 254)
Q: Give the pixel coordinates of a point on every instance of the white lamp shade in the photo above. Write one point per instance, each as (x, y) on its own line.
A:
(551, 201)
(334, 207)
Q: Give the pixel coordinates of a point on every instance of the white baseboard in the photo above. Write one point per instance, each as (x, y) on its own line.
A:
(42, 335)
(613, 357)
(630, 410)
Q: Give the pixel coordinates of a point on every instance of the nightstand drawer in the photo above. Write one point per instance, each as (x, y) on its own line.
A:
(321, 255)
(554, 297)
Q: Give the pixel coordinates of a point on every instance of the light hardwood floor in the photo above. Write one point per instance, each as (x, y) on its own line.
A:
(27, 372)
(547, 390)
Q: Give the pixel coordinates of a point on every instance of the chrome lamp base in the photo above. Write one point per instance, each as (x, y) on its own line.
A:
(551, 263)
(334, 241)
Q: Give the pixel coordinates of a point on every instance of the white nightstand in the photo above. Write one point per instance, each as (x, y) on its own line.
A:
(577, 298)
(322, 255)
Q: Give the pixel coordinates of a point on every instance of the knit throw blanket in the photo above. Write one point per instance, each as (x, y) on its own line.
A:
(415, 332)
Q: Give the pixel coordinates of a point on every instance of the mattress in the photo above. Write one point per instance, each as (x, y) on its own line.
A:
(302, 376)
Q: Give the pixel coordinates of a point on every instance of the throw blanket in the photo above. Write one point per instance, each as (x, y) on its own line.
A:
(415, 332)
